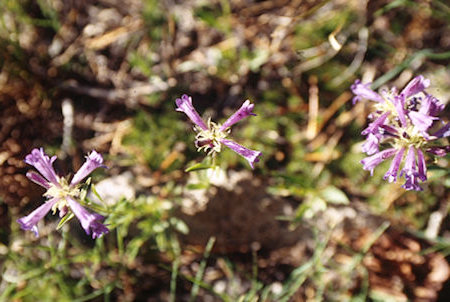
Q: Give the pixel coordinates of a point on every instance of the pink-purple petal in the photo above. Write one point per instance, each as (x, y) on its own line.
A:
(91, 222)
(410, 171)
(38, 179)
(369, 163)
(371, 145)
(412, 183)
(361, 90)
(185, 105)
(421, 165)
(375, 125)
(439, 150)
(399, 103)
(250, 155)
(38, 159)
(431, 106)
(391, 174)
(410, 162)
(443, 132)
(93, 161)
(421, 121)
(30, 221)
(241, 113)
(416, 85)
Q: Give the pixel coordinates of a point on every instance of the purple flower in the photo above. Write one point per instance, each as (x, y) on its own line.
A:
(412, 183)
(93, 161)
(443, 132)
(91, 222)
(38, 179)
(241, 113)
(43, 164)
(371, 145)
(411, 172)
(375, 125)
(403, 120)
(391, 174)
(421, 121)
(211, 136)
(416, 85)
(422, 166)
(61, 194)
(363, 91)
(185, 105)
(399, 103)
(250, 155)
(439, 151)
(431, 106)
(369, 163)
(424, 118)
(30, 221)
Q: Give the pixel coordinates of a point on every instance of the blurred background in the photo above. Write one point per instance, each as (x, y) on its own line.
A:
(308, 224)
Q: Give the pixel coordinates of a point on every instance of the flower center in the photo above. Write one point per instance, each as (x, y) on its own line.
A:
(388, 105)
(209, 140)
(406, 136)
(61, 192)
(410, 136)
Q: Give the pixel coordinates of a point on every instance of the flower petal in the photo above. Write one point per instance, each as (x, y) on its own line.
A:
(412, 175)
(399, 103)
(38, 179)
(185, 105)
(371, 145)
(411, 183)
(93, 161)
(410, 162)
(415, 86)
(38, 159)
(250, 155)
(443, 132)
(391, 174)
(422, 165)
(372, 161)
(241, 113)
(431, 106)
(29, 222)
(361, 90)
(421, 121)
(91, 222)
(374, 126)
(439, 151)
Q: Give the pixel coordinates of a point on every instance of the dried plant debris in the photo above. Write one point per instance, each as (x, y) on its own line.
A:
(238, 213)
(242, 218)
(25, 117)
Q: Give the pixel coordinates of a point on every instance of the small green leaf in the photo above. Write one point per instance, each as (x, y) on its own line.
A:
(197, 186)
(64, 220)
(94, 191)
(88, 181)
(179, 225)
(83, 193)
(260, 58)
(334, 195)
(199, 166)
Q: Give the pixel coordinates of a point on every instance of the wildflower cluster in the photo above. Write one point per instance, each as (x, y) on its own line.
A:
(404, 120)
(61, 194)
(211, 136)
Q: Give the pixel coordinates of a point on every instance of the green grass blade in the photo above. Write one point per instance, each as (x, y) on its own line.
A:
(201, 270)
